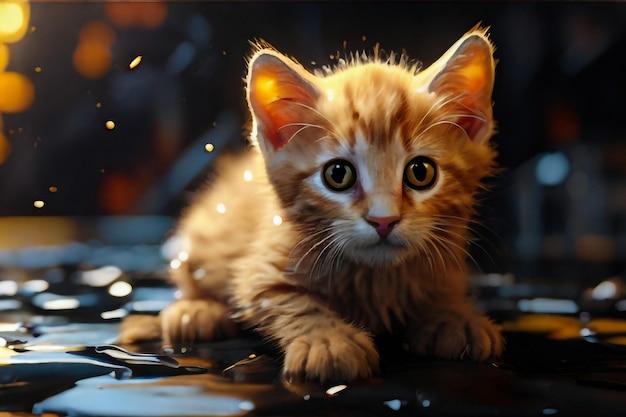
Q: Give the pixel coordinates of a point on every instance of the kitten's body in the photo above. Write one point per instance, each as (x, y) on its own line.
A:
(318, 266)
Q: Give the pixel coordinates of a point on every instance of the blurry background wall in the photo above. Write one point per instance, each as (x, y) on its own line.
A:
(110, 110)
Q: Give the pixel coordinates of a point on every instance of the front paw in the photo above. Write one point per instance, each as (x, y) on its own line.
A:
(457, 334)
(189, 321)
(338, 354)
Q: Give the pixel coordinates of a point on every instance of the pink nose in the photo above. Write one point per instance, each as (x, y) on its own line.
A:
(383, 225)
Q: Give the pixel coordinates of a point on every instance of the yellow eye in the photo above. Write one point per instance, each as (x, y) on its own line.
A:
(420, 173)
(339, 175)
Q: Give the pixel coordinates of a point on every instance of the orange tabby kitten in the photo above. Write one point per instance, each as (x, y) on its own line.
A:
(348, 218)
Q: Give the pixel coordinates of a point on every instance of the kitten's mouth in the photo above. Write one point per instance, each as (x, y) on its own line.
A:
(381, 252)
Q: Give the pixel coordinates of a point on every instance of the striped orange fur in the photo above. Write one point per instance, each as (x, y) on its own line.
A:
(353, 217)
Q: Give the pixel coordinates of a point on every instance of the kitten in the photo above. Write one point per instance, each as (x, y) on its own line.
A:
(348, 218)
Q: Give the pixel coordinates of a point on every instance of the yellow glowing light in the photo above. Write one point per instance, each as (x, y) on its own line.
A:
(247, 175)
(53, 189)
(14, 17)
(277, 220)
(209, 147)
(38, 204)
(17, 92)
(109, 124)
(133, 64)
(37, 69)
(4, 56)
(221, 208)
(98, 105)
(92, 59)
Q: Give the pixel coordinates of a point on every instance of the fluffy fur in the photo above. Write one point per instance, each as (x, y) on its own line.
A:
(320, 270)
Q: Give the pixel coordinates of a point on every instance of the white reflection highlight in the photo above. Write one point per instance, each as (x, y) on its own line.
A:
(335, 390)
(606, 290)
(36, 286)
(120, 289)
(8, 288)
(61, 304)
(100, 277)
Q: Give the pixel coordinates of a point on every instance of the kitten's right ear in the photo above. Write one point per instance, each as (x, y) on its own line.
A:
(280, 94)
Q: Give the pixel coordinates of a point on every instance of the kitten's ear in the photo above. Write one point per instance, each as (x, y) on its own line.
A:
(465, 74)
(280, 93)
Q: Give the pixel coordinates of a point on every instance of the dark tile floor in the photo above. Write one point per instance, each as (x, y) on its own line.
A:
(62, 362)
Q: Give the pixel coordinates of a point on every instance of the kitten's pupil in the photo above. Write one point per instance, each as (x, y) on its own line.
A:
(339, 175)
(420, 173)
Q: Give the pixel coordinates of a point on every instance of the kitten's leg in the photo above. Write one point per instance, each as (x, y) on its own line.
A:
(454, 331)
(190, 321)
(317, 344)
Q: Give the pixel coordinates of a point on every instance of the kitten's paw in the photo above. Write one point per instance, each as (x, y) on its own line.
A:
(139, 328)
(452, 334)
(190, 321)
(331, 354)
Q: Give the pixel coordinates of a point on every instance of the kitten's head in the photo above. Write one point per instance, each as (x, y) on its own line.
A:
(376, 162)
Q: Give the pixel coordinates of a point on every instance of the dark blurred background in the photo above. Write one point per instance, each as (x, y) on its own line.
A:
(111, 113)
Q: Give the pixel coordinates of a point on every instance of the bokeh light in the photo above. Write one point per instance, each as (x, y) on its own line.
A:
(5, 148)
(97, 31)
(17, 92)
(148, 15)
(4, 57)
(92, 59)
(14, 16)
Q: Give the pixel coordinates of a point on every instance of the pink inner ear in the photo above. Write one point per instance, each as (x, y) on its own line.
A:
(476, 127)
(468, 74)
(280, 96)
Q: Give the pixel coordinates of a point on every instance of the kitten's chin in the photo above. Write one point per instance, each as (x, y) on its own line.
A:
(380, 254)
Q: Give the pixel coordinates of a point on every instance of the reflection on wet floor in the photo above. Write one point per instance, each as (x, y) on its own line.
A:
(58, 327)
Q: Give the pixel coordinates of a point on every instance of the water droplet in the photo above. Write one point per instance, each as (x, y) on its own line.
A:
(221, 208)
(175, 263)
(109, 124)
(53, 189)
(209, 147)
(363, 38)
(98, 105)
(38, 204)
(277, 220)
(247, 175)
(38, 69)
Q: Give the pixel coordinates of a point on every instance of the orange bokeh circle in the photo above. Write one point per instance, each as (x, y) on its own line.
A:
(17, 92)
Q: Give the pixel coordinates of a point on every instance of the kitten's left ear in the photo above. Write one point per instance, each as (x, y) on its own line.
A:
(281, 95)
(465, 75)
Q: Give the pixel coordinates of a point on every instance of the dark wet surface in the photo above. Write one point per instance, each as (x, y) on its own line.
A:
(64, 362)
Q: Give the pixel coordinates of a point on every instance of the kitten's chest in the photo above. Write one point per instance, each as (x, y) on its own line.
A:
(379, 299)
